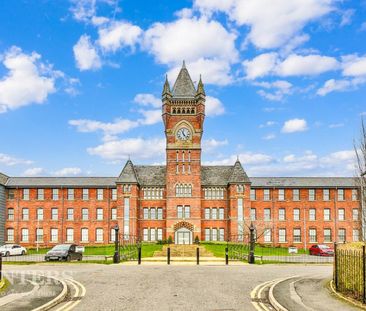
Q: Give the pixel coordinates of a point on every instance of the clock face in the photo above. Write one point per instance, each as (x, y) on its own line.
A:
(183, 134)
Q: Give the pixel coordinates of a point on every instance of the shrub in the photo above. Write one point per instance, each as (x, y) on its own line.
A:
(196, 240)
(170, 240)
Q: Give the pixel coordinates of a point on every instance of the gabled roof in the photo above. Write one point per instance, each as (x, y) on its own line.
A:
(44, 182)
(238, 174)
(183, 86)
(304, 182)
(151, 175)
(128, 174)
(3, 179)
(215, 175)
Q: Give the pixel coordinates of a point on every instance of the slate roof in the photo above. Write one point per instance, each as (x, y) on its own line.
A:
(183, 86)
(151, 175)
(61, 182)
(238, 174)
(3, 179)
(307, 182)
(128, 174)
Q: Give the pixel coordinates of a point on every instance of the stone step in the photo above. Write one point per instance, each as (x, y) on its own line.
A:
(183, 251)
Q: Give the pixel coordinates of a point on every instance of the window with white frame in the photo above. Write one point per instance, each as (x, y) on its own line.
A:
(10, 213)
(282, 235)
(221, 234)
(281, 194)
(179, 211)
(296, 214)
(70, 214)
(126, 218)
(69, 235)
(355, 235)
(240, 188)
(327, 214)
(312, 214)
(25, 235)
(355, 214)
(340, 194)
(70, 194)
(145, 234)
(214, 193)
(54, 194)
(114, 194)
(296, 194)
(159, 236)
(127, 188)
(54, 235)
(253, 194)
(100, 194)
(341, 214)
(114, 213)
(183, 190)
(312, 236)
(84, 213)
(267, 235)
(253, 214)
(152, 234)
(326, 196)
(10, 235)
(39, 235)
(11, 194)
(267, 214)
(160, 213)
(266, 195)
(281, 214)
(327, 235)
(113, 235)
(54, 213)
(221, 213)
(146, 213)
(84, 235)
(214, 234)
(214, 213)
(153, 193)
(187, 211)
(207, 213)
(99, 235)
(152, 213)
(25, 214)
(341, 235)
(40, 194)
(85, 194)
(26, 194)
(39, 213)
(297, 235)
(354, 195)
(99, 214)
(207, 234)
(240, 219)
(311, 194)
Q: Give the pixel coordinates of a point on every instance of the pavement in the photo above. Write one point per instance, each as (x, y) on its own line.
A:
(178, 287)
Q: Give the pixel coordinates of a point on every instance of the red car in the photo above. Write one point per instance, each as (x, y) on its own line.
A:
(321, 250)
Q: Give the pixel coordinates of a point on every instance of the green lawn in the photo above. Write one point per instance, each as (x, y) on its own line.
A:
(218, 249)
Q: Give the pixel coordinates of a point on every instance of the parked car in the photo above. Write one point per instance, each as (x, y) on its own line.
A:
(321, 250)
(66, 252)
(12, 249)
(80, 249)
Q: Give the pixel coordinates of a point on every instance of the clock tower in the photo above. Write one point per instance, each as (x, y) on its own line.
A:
(183, 115)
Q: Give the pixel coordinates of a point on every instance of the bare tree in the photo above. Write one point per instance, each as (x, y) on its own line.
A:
(360, 150)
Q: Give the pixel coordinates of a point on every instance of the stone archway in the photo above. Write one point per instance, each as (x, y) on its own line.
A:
(183, 233)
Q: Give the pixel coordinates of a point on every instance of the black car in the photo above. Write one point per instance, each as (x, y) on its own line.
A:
(66, 252)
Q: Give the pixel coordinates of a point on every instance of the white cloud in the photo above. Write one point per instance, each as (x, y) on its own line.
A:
(346, 17)
(293, 65)
(335, 125)
(269, 137)
(342, 85)
(214, 106)
(83, 10)
(145, 99)
(277, 89)
(294, 125)
(10, 160)
(35, 171)
(68, 171)
(271, 26)
(354, 65)
(117, 35)
(267, 124)
(150, 116)
(136, 148)
(108, 128)
(211, 144)
(86, 55)
(27, 80)
(246, 158)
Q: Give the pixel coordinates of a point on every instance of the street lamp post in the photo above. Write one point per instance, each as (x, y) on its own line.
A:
(363, 212)
(116, 257)
(251, 258)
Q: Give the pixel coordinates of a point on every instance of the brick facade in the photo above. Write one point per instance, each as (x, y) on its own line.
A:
(182, 199)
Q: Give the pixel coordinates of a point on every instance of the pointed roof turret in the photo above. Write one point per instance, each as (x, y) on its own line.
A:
(183, 86)
(128, 174)
(166, 88)
(3, 179)
(200, 87)
(238, 174)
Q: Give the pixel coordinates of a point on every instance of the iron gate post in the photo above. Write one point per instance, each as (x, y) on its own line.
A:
(116, 257)
(251, 258)
(168, 253)
(226, 255)
(198, 255)
(139, 254)
(335, 266)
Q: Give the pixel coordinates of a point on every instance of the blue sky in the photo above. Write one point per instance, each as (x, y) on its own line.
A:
(80, 83)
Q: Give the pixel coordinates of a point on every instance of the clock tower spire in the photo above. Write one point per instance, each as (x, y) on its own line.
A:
(183, 115)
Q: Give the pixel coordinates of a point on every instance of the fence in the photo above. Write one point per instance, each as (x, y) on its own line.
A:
(350, 272)
(129, 247)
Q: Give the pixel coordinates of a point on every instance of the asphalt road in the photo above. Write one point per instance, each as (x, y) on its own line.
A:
(163, 287)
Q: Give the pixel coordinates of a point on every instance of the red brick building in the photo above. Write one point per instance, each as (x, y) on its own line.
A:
(182, 199)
